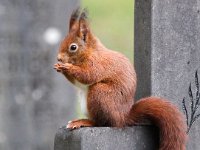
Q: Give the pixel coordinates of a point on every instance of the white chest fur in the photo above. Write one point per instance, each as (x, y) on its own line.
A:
(82, 96)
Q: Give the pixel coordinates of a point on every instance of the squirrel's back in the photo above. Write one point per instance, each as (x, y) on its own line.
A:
(117, 65)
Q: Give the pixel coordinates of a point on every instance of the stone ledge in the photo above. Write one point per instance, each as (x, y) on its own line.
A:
(106, 138)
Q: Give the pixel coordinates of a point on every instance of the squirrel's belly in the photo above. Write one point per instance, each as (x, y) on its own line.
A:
(82, 96)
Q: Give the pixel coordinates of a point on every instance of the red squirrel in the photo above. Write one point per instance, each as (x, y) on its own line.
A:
(110, 83)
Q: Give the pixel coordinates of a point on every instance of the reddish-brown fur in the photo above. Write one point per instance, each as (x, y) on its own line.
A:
(112, 83)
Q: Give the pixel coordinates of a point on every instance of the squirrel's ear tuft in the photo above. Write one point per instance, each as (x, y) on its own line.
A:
(74, 17)
(84, 25)
(84, 14)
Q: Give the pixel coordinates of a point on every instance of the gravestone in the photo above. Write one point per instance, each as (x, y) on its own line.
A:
(33, 101)
(167, 50)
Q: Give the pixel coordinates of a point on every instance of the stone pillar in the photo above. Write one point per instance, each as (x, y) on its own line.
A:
(167, 53)
(33, 101)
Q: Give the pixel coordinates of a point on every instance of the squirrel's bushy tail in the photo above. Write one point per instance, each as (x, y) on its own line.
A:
(166, 117)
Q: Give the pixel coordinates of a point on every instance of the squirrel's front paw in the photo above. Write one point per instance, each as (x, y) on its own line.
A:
(62, 67)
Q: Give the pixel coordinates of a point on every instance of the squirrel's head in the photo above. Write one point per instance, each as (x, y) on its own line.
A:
(79, 42)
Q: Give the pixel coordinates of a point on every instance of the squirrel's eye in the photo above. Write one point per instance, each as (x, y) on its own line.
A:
(73, 47)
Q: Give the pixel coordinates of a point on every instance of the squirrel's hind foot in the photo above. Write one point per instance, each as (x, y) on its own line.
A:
(75, 124)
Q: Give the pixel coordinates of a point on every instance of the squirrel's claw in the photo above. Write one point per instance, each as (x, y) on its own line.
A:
(57, 68)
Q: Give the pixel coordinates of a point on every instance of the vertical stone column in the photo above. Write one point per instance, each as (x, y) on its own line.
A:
(167, 52)
(34, 99)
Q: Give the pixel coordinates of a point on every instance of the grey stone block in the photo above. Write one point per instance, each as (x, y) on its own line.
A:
(106, 138)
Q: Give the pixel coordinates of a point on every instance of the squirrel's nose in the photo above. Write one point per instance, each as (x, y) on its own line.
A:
(59, 58)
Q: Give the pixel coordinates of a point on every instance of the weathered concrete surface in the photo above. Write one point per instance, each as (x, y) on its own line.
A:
(105, 138)
(33, 101)
(167, 50)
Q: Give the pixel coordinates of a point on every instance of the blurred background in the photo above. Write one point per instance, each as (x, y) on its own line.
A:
(35, 100)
